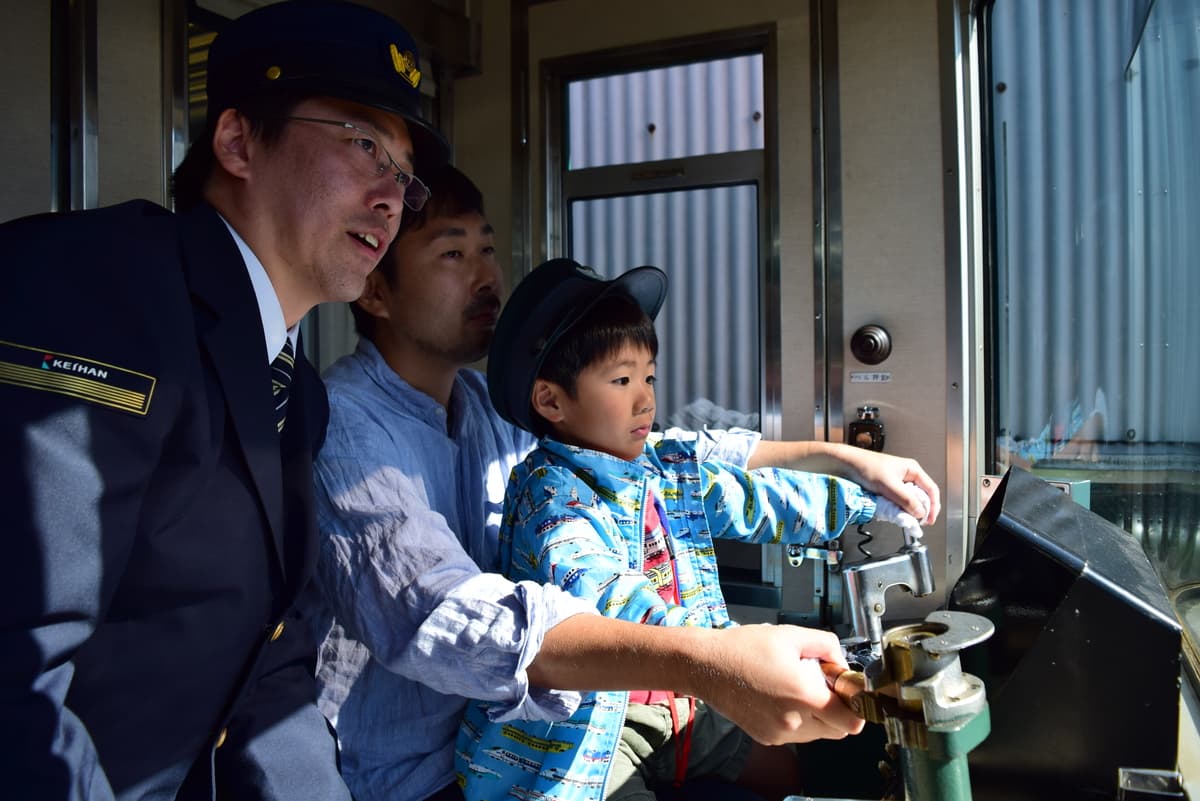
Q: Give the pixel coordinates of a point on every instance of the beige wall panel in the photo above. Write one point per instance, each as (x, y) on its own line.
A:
(483, 125)
(579, 26)
(798, 310)
(25, 87)
(129, 103)
(893, 232)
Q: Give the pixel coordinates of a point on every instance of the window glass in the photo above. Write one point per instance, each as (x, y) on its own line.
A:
(667, 113)
(706, 240)
(1095, 109)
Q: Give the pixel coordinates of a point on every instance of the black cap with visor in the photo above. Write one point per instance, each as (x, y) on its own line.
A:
(323, 48)
(543, 307)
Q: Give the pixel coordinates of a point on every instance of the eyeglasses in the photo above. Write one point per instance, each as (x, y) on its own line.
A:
(375, 157)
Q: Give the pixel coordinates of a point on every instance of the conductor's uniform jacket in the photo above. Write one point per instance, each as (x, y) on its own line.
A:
(157, 527)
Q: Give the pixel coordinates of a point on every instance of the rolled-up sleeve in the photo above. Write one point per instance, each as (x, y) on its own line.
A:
(399, 583)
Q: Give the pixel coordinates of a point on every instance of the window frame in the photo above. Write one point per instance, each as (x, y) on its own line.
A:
(563, 186)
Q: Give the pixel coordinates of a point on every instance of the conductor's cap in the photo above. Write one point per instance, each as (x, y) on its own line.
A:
(322, 48)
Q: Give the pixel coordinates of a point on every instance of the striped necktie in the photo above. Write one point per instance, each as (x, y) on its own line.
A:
(281, 378)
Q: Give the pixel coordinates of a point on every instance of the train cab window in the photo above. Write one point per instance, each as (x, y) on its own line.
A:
(665, 166)
(1095, 193)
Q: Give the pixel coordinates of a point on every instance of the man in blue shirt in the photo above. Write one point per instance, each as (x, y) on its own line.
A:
(410, 484)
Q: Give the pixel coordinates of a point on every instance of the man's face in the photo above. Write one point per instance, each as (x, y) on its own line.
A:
(613, 407)
(444, 295)
(324, 214)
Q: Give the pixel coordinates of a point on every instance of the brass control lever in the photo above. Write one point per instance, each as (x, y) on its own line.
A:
(934, 714)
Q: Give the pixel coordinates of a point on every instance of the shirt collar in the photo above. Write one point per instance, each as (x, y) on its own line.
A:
(275, 330)
(604, 470)
(412, 400)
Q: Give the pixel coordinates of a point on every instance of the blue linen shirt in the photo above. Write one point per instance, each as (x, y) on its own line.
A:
(409, 503)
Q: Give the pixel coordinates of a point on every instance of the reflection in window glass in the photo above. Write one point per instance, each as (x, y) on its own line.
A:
(708, 361)
(1097, 197)
(668, 113)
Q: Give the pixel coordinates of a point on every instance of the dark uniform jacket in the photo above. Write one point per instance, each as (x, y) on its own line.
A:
(156, 527)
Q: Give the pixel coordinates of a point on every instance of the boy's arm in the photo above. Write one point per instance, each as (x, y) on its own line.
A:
(881, 473)
(767, 679)
(778, 505)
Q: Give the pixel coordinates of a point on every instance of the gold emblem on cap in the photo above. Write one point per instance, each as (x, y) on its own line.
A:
(273, 73)
(405, 65)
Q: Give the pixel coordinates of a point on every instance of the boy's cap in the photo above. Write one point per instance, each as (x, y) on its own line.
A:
(322, 48)
(544, 306)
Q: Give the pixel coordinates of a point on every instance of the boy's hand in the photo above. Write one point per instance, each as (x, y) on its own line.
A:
(902, 481)
(888, 512)
(768, 679)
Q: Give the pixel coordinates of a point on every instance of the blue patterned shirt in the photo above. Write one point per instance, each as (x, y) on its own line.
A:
(576, 517)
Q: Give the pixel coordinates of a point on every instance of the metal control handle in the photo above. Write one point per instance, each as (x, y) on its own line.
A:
(867, 582)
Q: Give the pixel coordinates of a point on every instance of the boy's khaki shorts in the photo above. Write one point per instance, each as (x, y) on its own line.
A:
(645, 754)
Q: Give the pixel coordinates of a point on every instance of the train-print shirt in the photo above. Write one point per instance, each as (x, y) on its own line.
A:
(575, 518)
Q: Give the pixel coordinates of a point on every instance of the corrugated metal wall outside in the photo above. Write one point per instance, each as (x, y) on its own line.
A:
(705, 239)
(706, 242)
(666, 113)
(1098, 229)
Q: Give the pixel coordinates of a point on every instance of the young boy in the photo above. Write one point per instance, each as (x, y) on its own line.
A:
(625, 519)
